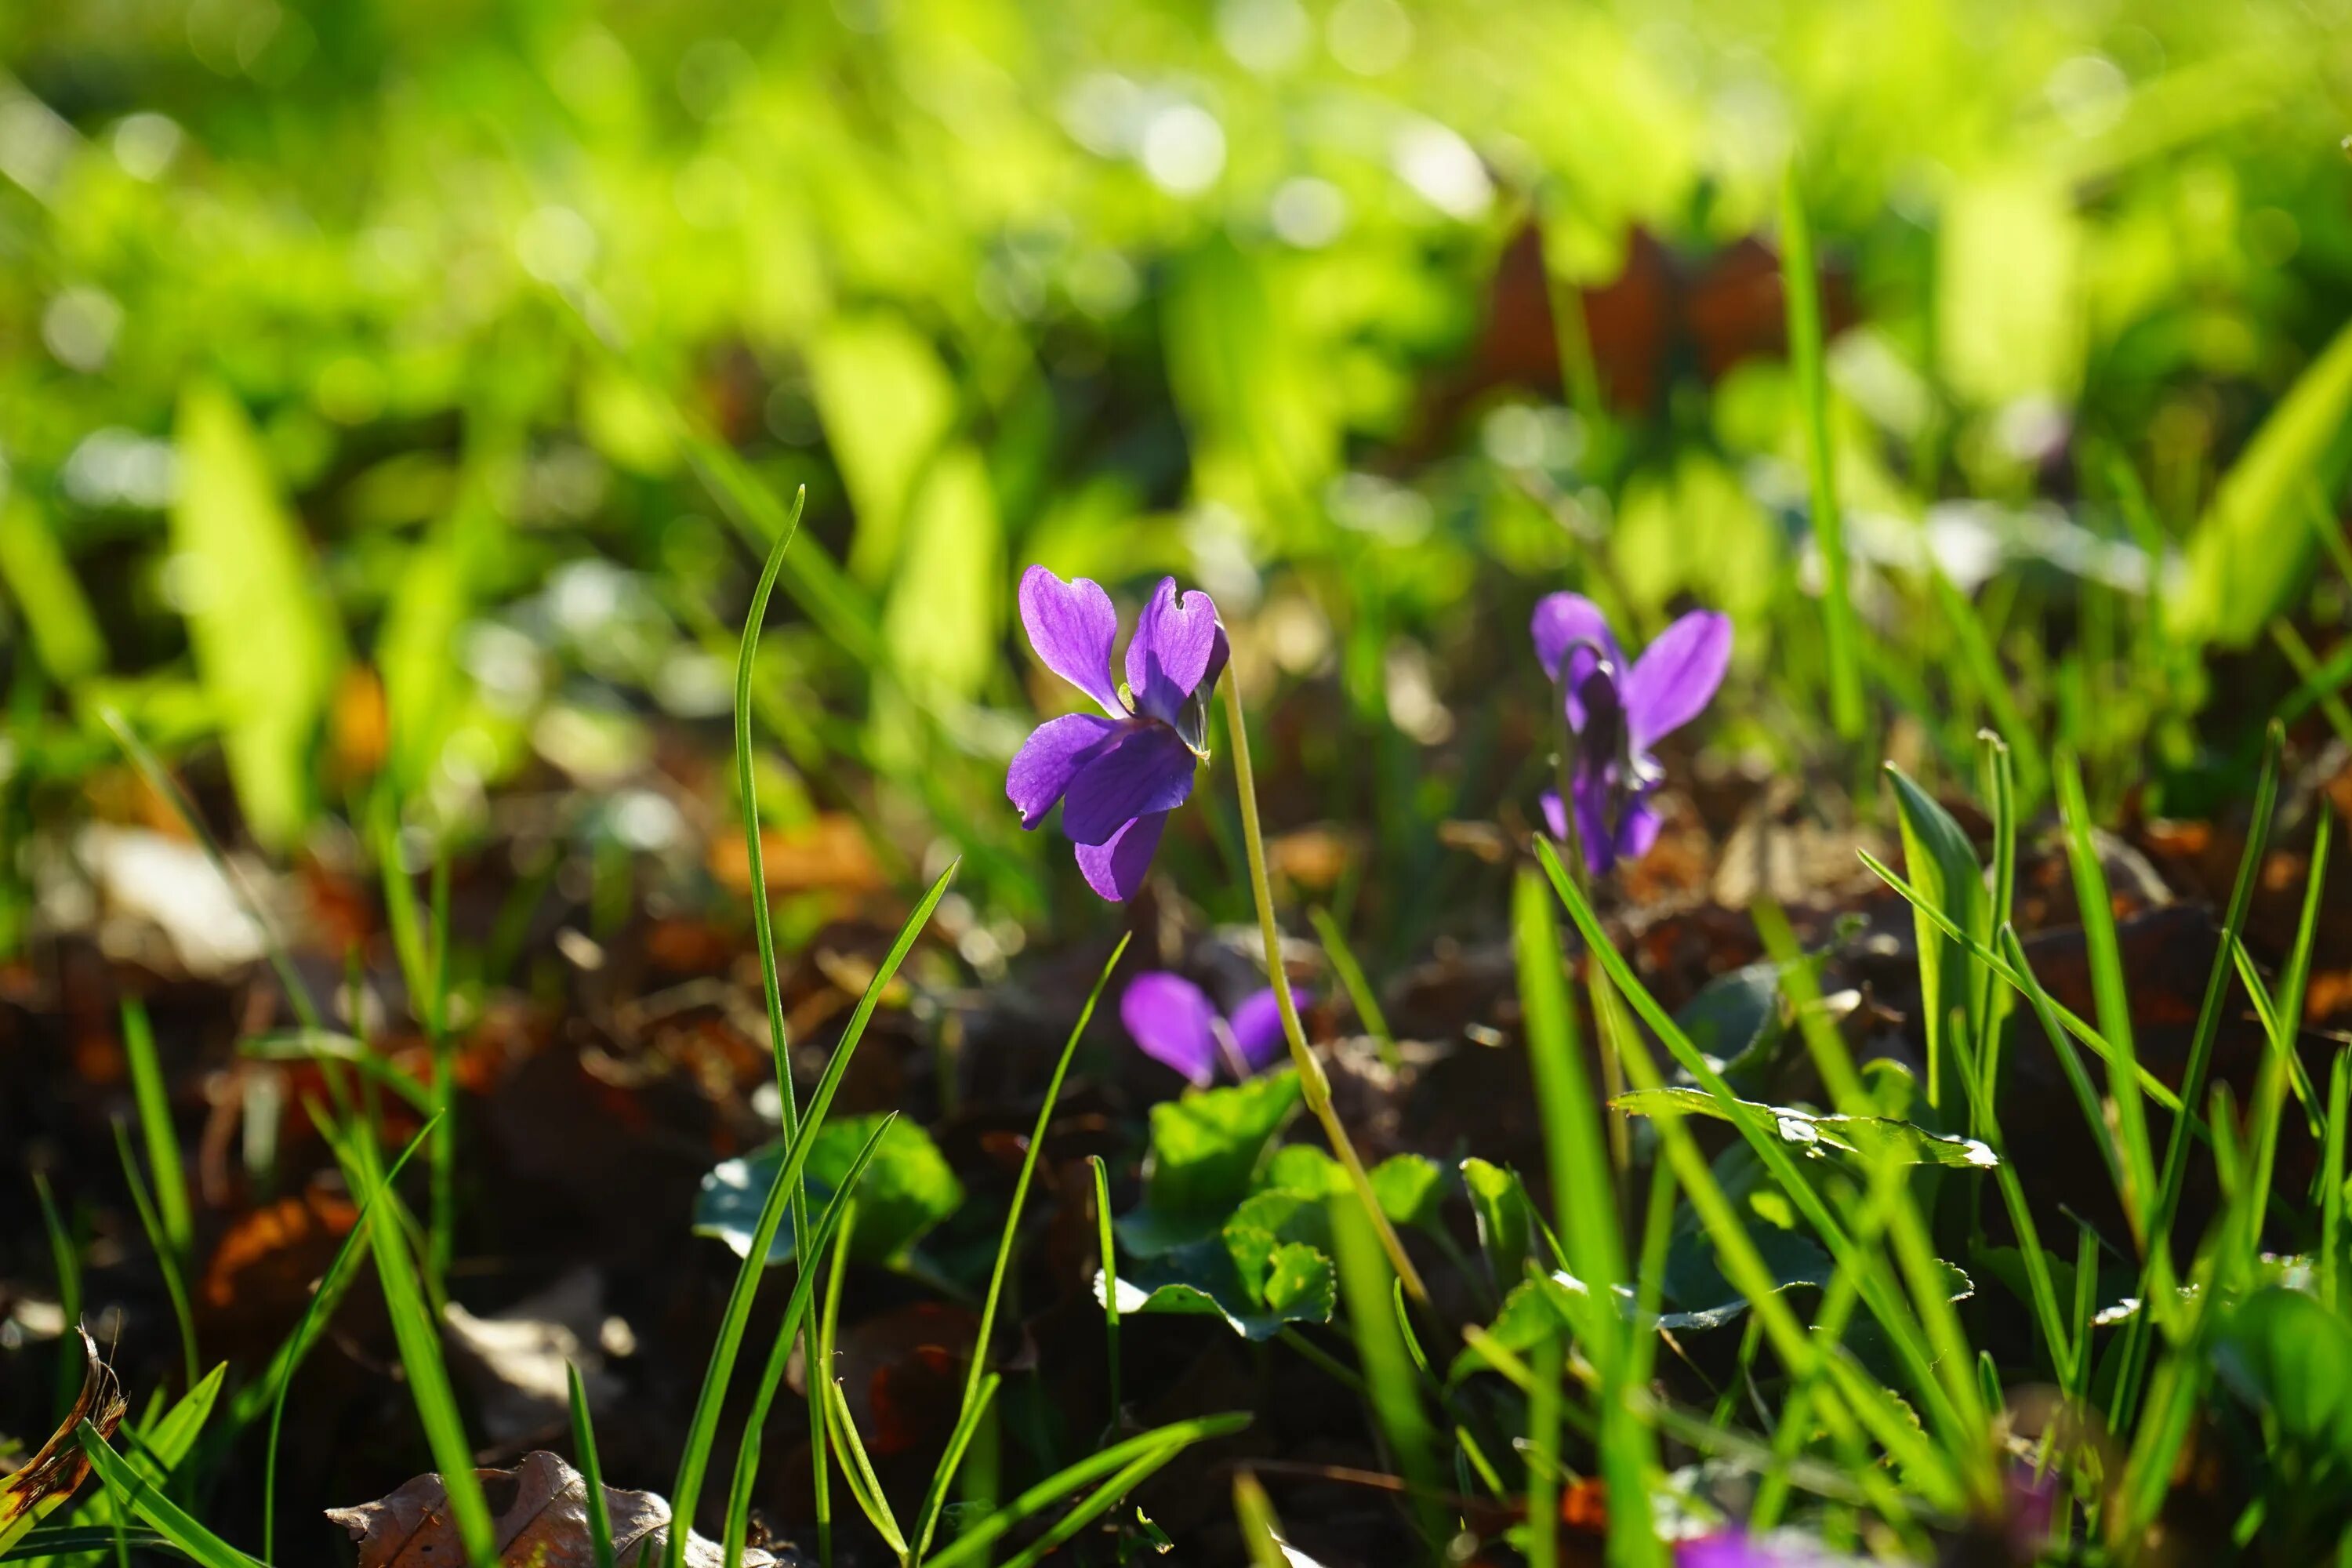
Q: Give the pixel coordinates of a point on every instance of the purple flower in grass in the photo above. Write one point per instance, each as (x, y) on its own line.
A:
(1116, 774)
(1176, 1025)
(1617, 711)
(1732, 1549)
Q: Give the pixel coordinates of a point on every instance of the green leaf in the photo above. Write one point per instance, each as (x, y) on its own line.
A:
(1500, 1202)
(907, 1190)
(1943, 867)
(886, 402)
(263, 631)
(1410, 1188)
(1302, 1168)
(1269, 1264)
(1873, 1137)
(57, 615)
(1205, 1148)
(1530, 1314)
(2284, 1350)
(948, 598)
(2248, 553)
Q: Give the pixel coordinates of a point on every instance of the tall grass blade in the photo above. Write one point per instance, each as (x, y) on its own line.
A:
(167, 1261)
(973, 1546)
(1806, 356)
(156, 1126)
(1361, 994)
(703, 1428)
(592, 1472)
(141, 1496)
(1103, 1245)
(941, 1478)
(65, 1257)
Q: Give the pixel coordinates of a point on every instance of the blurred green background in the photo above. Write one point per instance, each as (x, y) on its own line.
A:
(399, 396)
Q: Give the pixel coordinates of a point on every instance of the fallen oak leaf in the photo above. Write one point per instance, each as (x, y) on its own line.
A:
(541, 1509)
(49, 1476)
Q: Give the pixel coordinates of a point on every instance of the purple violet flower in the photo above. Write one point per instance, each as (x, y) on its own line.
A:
(1617, 711)
(1176, 1025)
(1117, 777)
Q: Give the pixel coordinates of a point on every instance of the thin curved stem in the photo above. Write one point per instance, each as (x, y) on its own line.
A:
(1311, 1079)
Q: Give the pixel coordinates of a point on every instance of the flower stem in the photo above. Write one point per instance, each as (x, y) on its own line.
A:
(1311, 1079)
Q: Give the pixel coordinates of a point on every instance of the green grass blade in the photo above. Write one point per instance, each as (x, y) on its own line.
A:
(167, 1261)
(1361, 995)
(418, 1337)
(702, 1430)
(2111, 987)
(972, 1547)
(1261, 1530)
(2280, 1023)
(2153, 1087)
(2331, 1176)
(1806, 360)
(155, 1126)
(140, 1495)
(839, 1210)
(1364, 1283)
(592, 1472)
(967, 1425)
(857, 1470)
(279, 1377)
(2001, 789)
(1103, 1244)
(936, 1497)
(1095, 1504)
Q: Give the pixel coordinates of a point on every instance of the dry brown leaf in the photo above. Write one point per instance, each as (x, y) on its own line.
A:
(49, 1476)
(540, 1510)
(827, 854)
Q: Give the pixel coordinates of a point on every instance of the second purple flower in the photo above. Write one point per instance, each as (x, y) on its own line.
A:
(1617, 711)
(1116, 776)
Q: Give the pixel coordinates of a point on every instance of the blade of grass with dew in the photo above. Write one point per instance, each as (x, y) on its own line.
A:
(941, 1478)
(592, 1472)
(973, 1546)
(840, 1210)
(1736, 1253)
(703, 1428)
(156, 1126)
(1350, 973)
(1902, 1331)
(167, 1262)
(762, 920)
(1806, 360)
(140, 1495)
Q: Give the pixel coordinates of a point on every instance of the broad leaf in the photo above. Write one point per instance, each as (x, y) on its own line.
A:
(906, 1189)
(2282, 1350)
(1943, 865)
(1205, 1150)
(1500, 1204)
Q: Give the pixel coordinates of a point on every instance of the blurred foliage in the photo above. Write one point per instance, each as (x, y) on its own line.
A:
(426, 340)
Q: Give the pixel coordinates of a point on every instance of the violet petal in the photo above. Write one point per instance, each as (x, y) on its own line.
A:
(1256, 1026)
(1073, 625)
(1050, 757)
(1172, 1023)
(1115, 869)
(1175, 640)
(1675, 676)
(1562, 623)
(1147, 769)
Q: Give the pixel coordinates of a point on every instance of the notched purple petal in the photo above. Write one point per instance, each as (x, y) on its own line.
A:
(1561, 621)
(1677, 675)
(1073, 625)
(1176, 640)
(1172, 1023)
(1050, 757)
(1147, 769)
(1256, 1026)
(1115, 869)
